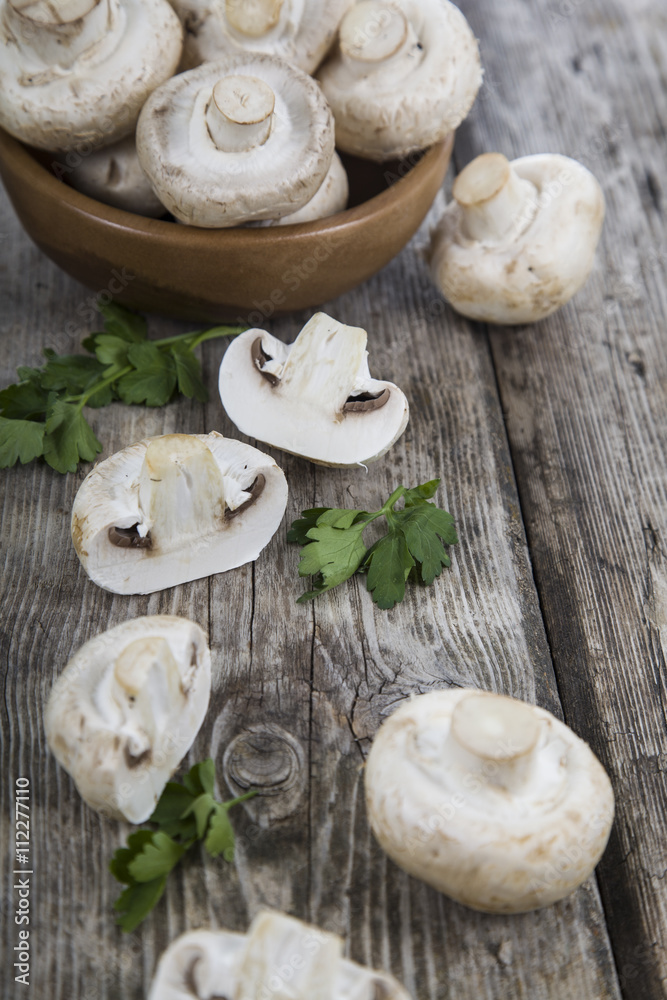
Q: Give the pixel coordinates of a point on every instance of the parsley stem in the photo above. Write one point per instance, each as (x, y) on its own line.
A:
(393, 499)
(95, 388)
(200, 337)
(242, 798)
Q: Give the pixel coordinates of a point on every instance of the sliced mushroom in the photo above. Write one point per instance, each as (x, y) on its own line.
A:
(126, 710)
(403, 75)
(519, 239)
(113, 175)
(492, 801)
(245, 138)
(279, 957)
(75, 73)
(300, 33)
(176, 508)
(314, 398)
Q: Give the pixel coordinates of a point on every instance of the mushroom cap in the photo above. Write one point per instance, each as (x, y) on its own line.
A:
(330, 198)
(126, 710)
(206, 186)
(95, 100)
(387, 108)
(306, 961)
(176, 508)
(541, 262)
(492, 801)
(314, 398)
(302, 34)
(113, 175)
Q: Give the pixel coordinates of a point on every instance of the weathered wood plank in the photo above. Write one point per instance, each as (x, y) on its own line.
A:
(585, 395)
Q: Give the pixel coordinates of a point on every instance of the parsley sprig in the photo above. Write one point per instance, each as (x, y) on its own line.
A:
(185, 813)
(415, 541)
(42, 414)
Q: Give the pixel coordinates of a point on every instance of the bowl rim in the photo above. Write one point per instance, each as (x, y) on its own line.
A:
(38, 176)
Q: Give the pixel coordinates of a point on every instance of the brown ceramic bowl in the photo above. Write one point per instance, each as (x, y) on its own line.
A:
(212, 274)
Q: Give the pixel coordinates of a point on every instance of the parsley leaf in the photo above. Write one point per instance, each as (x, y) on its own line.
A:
(334, 550)
(121, 364)
(184, 814)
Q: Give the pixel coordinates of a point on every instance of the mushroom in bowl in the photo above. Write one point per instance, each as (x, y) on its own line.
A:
(176, 508)
(313, 398)
(126, 710)
(307, 964)
(301, 33)
(113, 175)
(241, 139)
(490, 800)
(403, 75)
(519, 238)
(75, 73)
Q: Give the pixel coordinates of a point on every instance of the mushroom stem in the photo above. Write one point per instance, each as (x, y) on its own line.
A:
(181, 491)
(376, 35)
(59, 31)
(494, 737)
(494, 200)
(240, 113)
(253, 18)
(323, 364)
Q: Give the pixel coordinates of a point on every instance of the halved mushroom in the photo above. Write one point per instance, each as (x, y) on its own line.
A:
(519, 239)
(176, 508)
(490, 800)
(314, 398)
(113, 175)
(279, 957)
(74, 74)
(248, 137)
(403, 75)
(300, 33)
(126, 710)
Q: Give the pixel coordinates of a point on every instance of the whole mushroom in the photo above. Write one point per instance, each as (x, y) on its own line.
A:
(113, 175)
(403, 75)
(74, 74)
(176, 508)
(245, 138)
(328, 200)
(490, 800)
(313, 398)
(519, 238)
(298, 32)
(126, 710)
(279, 957)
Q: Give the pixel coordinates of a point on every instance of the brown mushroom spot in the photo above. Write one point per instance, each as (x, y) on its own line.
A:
(255, 492)
(132, 761)
(261, 358)
(366, 401)
(129, 538)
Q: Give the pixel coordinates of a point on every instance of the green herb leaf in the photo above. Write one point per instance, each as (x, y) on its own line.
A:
(20, 440)
(200, 779)
(69, 438)
(188, 374)
(156, 858)
(123, 323)
(71, 372)
(416, 539)
(24, 401)
(136, 902)
(220, 839)
(111, 350)
(154, 379)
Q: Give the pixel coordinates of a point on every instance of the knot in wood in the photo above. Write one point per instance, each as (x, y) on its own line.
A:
(269, 759)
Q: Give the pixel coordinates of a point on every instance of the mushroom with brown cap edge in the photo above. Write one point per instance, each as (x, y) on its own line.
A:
(241, 139)
(176, 508)
(490, 800)
(518, 239)
(403, 75)
(279, 956)
(300, 33)
(75, 73)
(313, 398)
(127, 708)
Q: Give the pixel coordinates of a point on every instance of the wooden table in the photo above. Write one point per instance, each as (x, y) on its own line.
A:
(551, 442)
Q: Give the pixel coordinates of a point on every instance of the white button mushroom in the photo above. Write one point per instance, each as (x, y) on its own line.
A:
(249, 137)
(113, 175)
(314, 398)
(298, 31)
(404, 75)
(176, 508)
(328, 200)
(280, 957)
(126, 710)
(492, 801)
(519, 239)
(75, 73)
